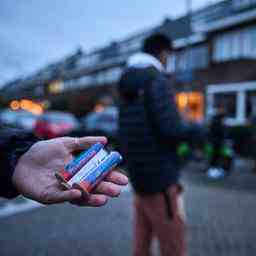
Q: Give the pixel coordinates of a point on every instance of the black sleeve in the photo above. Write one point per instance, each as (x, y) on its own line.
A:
(13, 144)
(166, 114)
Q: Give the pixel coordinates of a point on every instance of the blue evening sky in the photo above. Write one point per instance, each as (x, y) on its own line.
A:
(36, 32)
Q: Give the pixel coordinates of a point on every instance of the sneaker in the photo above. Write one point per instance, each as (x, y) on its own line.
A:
(215, 173)
(222, 173)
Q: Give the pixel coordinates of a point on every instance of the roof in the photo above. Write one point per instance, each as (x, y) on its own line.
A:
(223, 15)
(227, 22)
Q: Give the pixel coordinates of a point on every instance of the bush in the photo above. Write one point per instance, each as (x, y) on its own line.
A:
(244, 139)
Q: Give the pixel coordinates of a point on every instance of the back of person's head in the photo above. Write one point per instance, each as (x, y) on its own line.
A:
(156, 44)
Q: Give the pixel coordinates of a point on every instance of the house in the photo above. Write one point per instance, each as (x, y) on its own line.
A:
(213, 64)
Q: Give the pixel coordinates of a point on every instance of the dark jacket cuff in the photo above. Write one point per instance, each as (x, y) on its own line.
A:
(13, 147)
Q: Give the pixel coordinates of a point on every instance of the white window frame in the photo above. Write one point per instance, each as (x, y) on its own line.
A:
(241, 89)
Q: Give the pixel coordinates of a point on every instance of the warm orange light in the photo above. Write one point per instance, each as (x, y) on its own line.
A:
(26, 104)
(15, 105)
(99, 108)
(36, 109)
(182, 100)
(56, 87)
(191, 104)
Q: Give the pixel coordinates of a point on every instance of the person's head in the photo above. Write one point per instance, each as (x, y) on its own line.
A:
(159, 46)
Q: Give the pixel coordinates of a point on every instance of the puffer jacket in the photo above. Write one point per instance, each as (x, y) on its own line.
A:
(150, 150)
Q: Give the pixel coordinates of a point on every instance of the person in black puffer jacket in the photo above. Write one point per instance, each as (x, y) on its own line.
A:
(150, 129)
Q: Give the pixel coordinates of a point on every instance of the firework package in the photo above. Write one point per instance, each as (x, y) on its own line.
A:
(88, 169)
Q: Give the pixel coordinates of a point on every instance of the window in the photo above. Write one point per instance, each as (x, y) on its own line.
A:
(227, 101)
(77, 83)
(192, 58)
(240, 4)
(191, 104)
(251, 104)
(182, 59)
(204, 16)
(171, 63)
(110, 52)
(131, 46)
(235, 45)
(236, 42)
(238, 100)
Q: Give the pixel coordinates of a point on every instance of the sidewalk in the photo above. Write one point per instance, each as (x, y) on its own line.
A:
(241, 177)
(221, 222)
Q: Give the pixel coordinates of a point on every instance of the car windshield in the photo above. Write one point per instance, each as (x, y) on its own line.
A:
(110, 114)
(58, 117)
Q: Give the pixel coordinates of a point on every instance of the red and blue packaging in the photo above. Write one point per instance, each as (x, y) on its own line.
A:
(77, 163)
(88, 169)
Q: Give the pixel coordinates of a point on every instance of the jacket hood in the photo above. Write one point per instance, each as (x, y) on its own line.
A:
(144, 60)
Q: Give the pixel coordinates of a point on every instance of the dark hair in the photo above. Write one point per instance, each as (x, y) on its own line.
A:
(156, 43)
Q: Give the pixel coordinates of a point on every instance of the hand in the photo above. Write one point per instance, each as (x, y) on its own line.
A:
(34, 175)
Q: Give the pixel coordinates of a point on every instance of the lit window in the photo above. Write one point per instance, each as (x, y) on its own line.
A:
(191, 104)
(56, 87)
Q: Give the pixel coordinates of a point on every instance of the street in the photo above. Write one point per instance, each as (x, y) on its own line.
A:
(220, 222)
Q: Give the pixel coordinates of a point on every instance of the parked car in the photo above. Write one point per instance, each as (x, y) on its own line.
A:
(18, 119)
(102, 123)
(55, 124)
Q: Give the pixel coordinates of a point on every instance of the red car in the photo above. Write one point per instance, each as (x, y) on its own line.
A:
(55, 124)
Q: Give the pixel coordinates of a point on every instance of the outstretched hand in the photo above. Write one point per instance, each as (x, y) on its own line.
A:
(34, 175)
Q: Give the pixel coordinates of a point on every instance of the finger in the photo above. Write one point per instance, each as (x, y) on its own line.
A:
(73, 144)
(108, 189)
(61, 196)
(94, 201)
(117, 178)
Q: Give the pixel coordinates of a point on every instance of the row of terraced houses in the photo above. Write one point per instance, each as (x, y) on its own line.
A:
(213, 63)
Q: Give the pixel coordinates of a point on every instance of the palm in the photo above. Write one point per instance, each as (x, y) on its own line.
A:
(45, 158)
(35, 174)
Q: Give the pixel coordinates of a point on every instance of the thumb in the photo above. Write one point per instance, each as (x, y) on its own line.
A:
(73, 144)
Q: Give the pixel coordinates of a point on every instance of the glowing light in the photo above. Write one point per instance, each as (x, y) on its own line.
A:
(99, 108)
(182, 100)
(37, 110)
(15, 105)
(27, 105)
(56, 87)
(191, 104)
